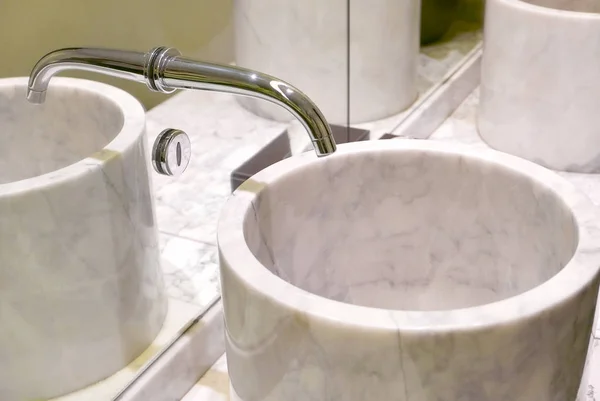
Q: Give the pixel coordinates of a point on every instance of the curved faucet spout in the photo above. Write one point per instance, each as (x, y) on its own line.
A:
(118, 63)
(164, 70)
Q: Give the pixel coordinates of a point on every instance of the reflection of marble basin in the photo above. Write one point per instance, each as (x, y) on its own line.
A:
(80, 288)
(358, 64)
(540, 81)
(408, 270)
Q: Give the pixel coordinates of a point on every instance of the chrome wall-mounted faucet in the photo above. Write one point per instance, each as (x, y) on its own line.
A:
(164, 70)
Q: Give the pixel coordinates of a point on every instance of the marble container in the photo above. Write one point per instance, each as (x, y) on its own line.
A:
(408, 270)
(81, 293)
(540, 82)
(362, 60)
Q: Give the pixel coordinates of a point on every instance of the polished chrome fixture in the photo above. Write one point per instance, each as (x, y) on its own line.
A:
(171, 152)
(164, 70)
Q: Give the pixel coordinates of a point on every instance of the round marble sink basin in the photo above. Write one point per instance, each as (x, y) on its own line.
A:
(408, 270)
(540, 83)
(81, 292)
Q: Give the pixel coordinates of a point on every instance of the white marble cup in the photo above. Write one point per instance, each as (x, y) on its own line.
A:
(540, 82)
(81, 291)
(306, 44)
(408, 270)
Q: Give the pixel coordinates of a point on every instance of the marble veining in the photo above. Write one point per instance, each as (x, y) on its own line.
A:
(540, 84)
(25, 156)
(316, 256)
(465, 235)
(81, 294)
(461, 128)
(190, 269)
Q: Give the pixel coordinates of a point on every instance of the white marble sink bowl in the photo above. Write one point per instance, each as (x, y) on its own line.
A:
(408, 270)
(540, 82)
(81, 293)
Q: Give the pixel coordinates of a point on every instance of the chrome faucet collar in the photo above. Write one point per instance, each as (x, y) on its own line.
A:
(164, 70)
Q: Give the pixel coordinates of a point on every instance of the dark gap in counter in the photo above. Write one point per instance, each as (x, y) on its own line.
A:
(279, 148)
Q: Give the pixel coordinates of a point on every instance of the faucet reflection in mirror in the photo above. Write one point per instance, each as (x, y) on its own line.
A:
(164, 70)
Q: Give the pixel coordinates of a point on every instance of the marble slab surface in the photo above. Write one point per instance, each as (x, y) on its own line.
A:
(460, 127)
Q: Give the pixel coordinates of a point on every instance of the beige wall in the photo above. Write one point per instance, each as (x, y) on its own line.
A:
(30, 28)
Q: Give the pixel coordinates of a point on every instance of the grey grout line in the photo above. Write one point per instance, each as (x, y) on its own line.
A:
(199, 241)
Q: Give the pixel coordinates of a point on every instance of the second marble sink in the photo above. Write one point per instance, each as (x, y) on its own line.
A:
(408, 270)
(81, 290)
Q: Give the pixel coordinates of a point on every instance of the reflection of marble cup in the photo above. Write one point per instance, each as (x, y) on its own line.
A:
(540, 82)
(306, 43)
(408, 270)
(81, 293)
